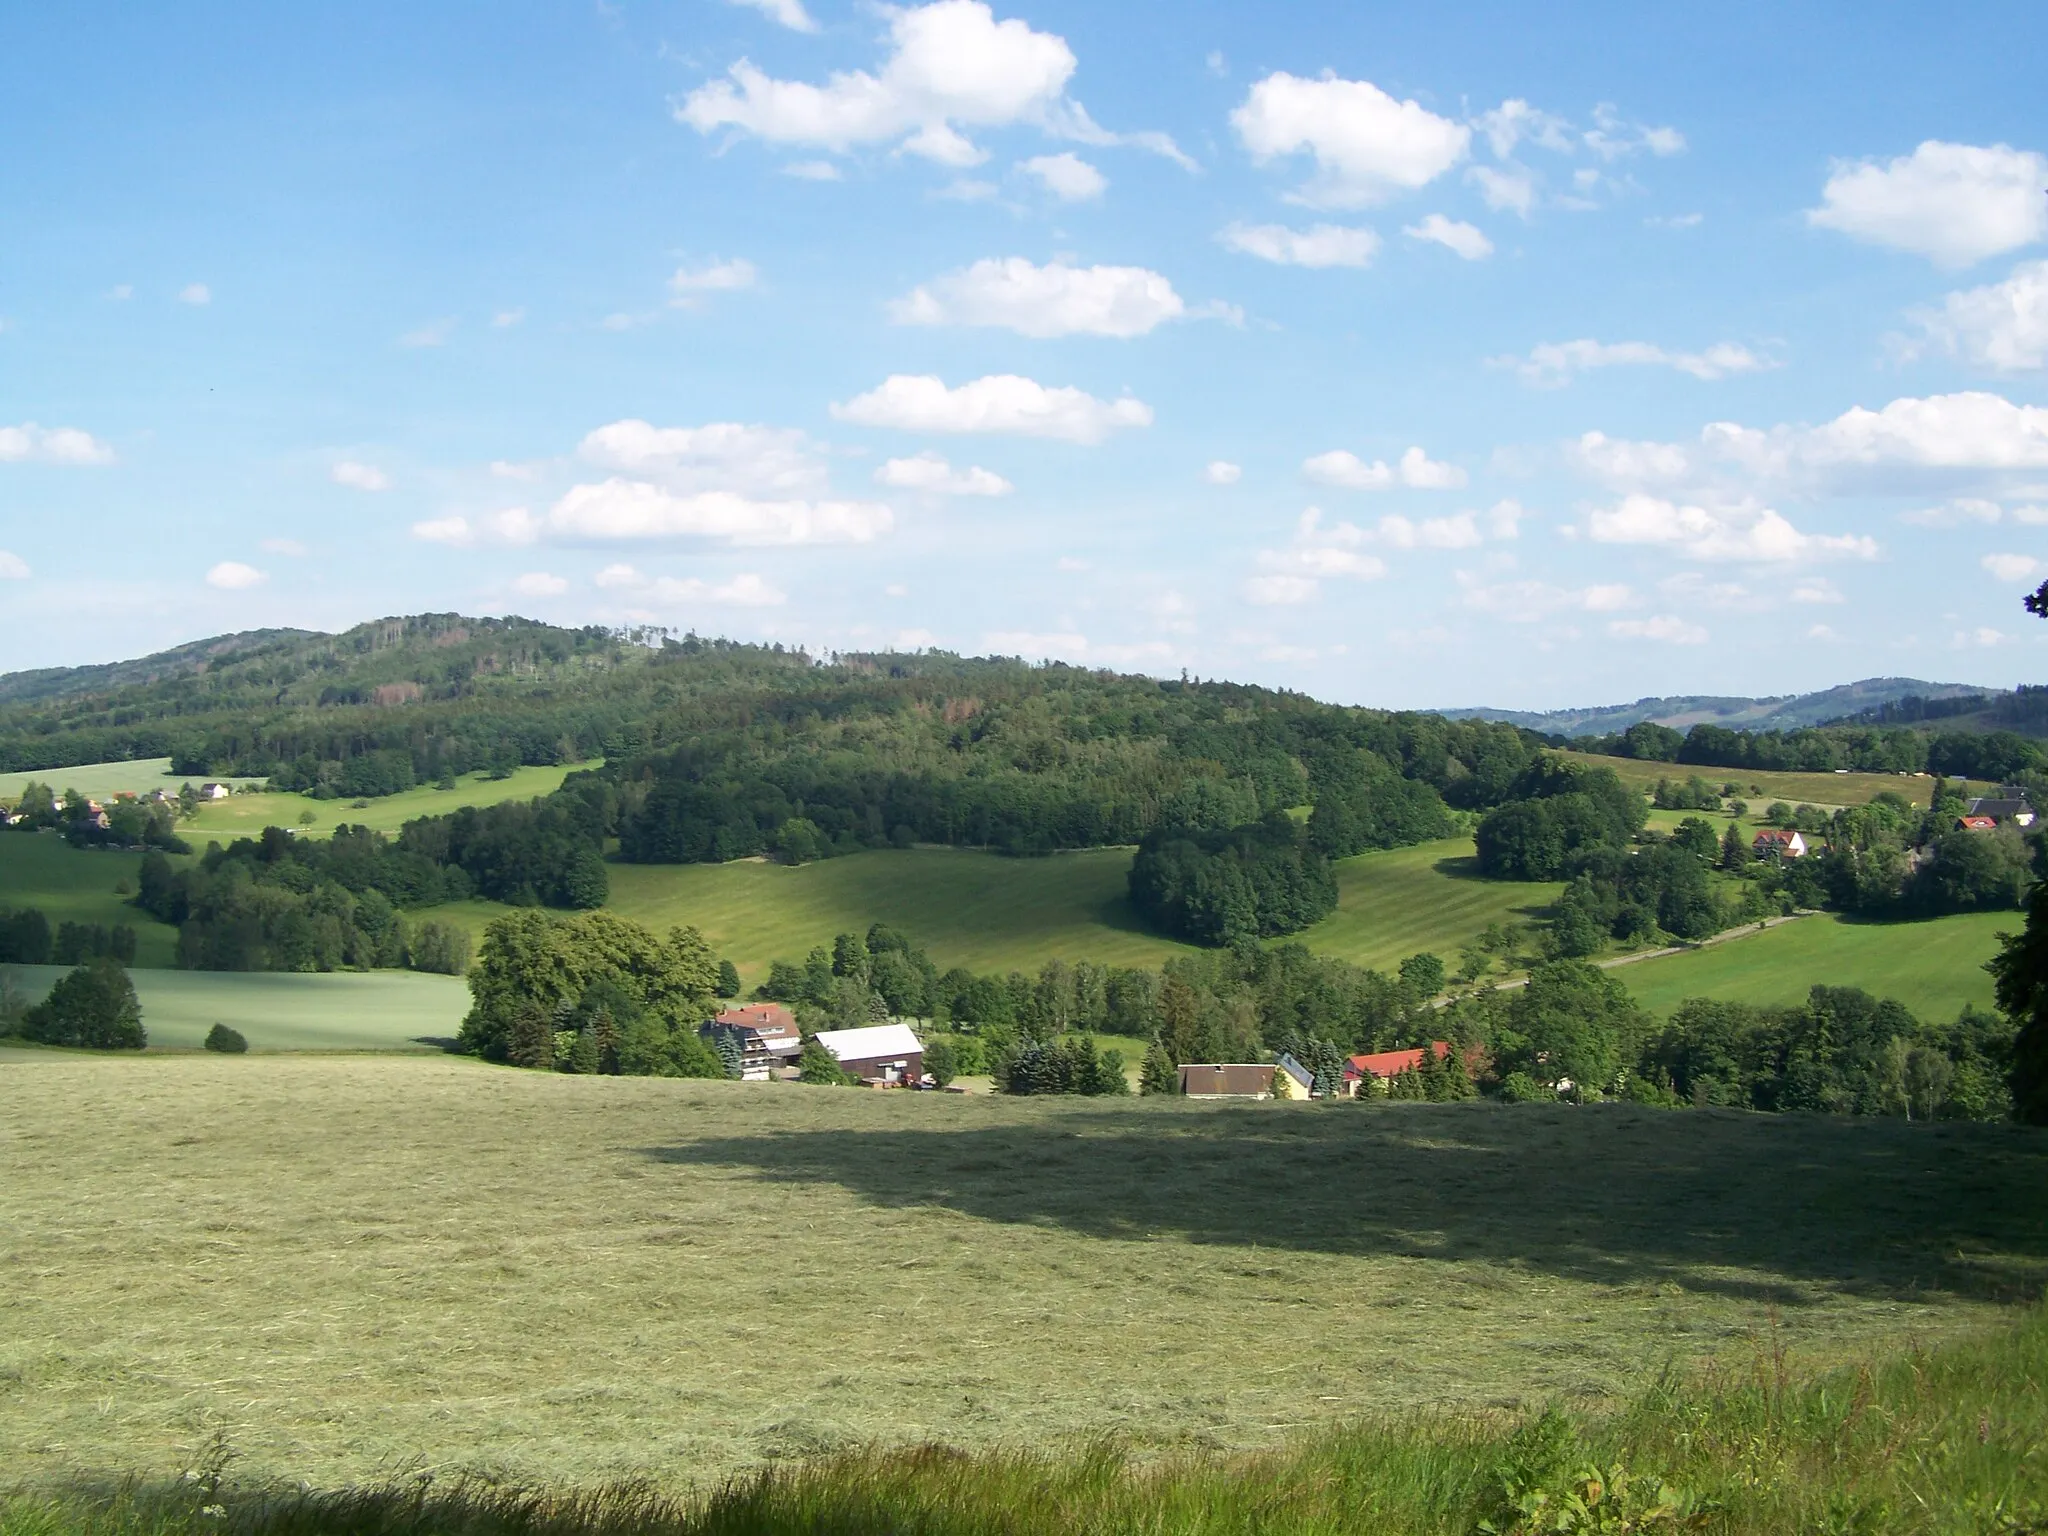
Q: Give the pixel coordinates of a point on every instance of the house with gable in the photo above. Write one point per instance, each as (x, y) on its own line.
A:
(885, 1055)
(1359, 1071)
(765, 1033)
(1778, 843)
(2009, 804)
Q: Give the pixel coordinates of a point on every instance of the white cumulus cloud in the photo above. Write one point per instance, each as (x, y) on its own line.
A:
(2011, 567)
(2002, 327)
(513, 525)
(1466, 240)
(930, 472)
(784, 13)
(1001, 402)
(1222, 472)
(634, 509)
(1952, 203)
(1416, 470)
(359, 477)
(12, 566)
(1066, 176)
(29, 443)
(1014, 294)
(233, 576)
(951, 65)
(1531, 602)
(1294, 574)
(1320, 245)
(539, 584)
(722, 455)
(1557, 362)
(1755, 534)
(196, 294)
(1367, 146)
(688, 283)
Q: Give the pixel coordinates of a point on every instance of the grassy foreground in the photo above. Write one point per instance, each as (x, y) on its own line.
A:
(349, 1266)
(1942, 1441)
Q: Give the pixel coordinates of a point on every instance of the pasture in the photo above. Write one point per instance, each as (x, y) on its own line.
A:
(1935, 967)
(247, 815)
(348, 1265)
(1759, 787)
(99, 781)
(285, 1010)
(74, 885)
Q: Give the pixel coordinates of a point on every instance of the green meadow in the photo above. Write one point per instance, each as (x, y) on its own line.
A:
(288, 1011)
(1935, 968)
(73, 885)
(99, 781)
(345, 1267)
(1760, 787)
(248, 814)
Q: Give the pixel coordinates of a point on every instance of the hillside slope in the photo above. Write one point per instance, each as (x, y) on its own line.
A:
(1784, 712)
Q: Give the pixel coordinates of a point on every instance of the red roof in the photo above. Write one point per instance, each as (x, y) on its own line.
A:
(1392, 1063)
(1774, 835)
(1978, 823)
(766, 1018)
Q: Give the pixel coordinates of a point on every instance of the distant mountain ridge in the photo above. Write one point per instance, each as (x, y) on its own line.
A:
(189, 659)
(1784, 712)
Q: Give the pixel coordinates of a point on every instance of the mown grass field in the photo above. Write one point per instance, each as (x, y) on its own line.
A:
(99, 780)
(247, 815)
(287, 1011)
(1759, 788)
(348, 1265)
(73, 885)
(1934, 968)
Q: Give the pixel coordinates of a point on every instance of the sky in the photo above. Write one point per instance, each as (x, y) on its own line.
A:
(1419, 356)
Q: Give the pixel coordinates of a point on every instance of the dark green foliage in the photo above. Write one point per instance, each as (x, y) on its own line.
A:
(439, 947)
(229, 1042)
(1071, 1065)
(1158, 1074)
(818, 1065)
(1698, 838)
(1423, 976)
(941, 1060)
(539, 975)
(1219, 888)
(728, 980)
(1573, 1024)
(93, 1006)
(1695, 794)
(77, 943)
(1564, 813)
(1362, 802)
(24, 937)
(2020, 970)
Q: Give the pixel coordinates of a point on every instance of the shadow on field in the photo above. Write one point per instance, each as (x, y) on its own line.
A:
(1758, 1206)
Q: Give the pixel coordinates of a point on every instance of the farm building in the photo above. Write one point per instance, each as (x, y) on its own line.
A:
(766, 1034)
(2009, 804)
(1778, 843)
(1227, 1080)
(1386, 1065)
(881, 1053)
(1291, 1080)
(211, 791)
(1976, 823)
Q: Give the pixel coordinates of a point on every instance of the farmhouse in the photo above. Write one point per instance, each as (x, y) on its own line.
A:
(1976, 824)
(1778, 843)
(766, 1034)
(2009, 804)
(211, 791)
(1386, 1065)
(1291, 1080)
(881, 1053)
(1227, 1080)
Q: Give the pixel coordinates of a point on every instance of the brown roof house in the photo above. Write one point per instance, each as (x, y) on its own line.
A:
(1227, 1079)
(1778, 843)
(888, 1055)
(765, 1033)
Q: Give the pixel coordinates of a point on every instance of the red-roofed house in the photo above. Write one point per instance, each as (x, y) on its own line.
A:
(1778, 843)
(766, 1033)
(1386, 1065)
(1976, 823)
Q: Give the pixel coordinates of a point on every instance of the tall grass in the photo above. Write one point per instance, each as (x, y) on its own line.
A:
(1950, 1440)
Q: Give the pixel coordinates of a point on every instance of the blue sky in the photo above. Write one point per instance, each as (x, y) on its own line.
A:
(1460, 355)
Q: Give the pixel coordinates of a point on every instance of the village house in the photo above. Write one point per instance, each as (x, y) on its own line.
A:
(1976, 824)
(2010, 804)
(882, 1054)
(1227, 1079)
(1291, 1080)
(1386, 1065)
(766, 1034)
(210, 791)
(1778, 843)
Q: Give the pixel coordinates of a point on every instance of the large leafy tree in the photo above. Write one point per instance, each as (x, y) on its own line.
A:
(2021, 971)
(93, 1006)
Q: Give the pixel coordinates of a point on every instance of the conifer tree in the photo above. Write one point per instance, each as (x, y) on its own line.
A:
(1158, 1075)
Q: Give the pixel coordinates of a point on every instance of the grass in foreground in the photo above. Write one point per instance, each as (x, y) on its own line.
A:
(1919, 1442)
(1935, 968)
(286, 1011)
(350, 1265)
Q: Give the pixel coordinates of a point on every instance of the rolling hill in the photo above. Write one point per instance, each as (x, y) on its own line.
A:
(1784, 712)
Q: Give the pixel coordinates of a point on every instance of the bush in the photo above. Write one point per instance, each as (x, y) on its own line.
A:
(93, 1006)
(229, 1042)
(441, 948)
(1521, 1088)
(820, 1066)
(942, 1061)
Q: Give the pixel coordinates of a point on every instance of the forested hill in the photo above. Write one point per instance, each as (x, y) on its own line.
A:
(1876, 700)
(186, 660)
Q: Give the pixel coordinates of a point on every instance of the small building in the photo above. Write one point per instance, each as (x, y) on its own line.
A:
(1291, 1080)
(881, 1053)
(1778, 843)
(211, 791)
(1227, 1079)
(766, 1034)
(2009, 804)
(1386, 1065)
(1976, 824)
